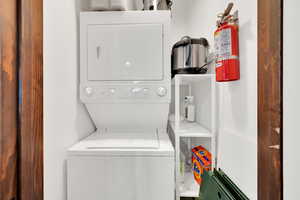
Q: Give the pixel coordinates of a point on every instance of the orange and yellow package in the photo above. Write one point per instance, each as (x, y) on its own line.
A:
(201, 160)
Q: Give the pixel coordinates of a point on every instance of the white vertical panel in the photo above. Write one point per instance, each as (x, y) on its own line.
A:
(291, 100)
(238, 109)
(179, 20)
(65, 118)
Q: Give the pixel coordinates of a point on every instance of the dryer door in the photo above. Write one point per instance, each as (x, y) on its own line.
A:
(126, 52)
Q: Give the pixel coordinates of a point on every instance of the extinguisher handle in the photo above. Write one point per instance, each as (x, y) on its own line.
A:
(227, 11)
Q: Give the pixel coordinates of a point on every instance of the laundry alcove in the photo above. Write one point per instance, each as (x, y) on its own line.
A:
(236, 131)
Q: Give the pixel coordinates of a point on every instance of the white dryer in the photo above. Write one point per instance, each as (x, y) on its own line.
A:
(125, 83)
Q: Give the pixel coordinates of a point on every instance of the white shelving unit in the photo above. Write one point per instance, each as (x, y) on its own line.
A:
(201, 132)
(190, 188)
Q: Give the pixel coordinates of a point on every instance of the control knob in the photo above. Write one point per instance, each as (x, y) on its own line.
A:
(89, 91)
(136, 90)
(112, 91)
(161, 91)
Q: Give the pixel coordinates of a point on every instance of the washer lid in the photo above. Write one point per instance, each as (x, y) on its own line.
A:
(124, 144)
(122, 141)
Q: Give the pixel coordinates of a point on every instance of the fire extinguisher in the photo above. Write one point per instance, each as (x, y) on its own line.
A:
(227, 47)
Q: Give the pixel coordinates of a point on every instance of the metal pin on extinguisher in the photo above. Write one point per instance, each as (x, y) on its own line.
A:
(227, 46)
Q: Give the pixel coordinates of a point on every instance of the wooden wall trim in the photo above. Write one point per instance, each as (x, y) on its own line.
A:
(8, 100)
(31, 108)
(270, 180)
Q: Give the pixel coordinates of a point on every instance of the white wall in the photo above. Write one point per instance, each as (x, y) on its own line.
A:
(291, 101)
(237, 100)
(238, 122)
(65, 119)
(238, 109)
(179, 20)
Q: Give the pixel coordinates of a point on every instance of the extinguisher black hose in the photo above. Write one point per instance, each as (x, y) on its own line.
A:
(207, 63)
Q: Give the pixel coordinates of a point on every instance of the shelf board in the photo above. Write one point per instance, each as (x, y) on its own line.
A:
(194, 75)
(191, 78)
(189, 187)
(187, 129)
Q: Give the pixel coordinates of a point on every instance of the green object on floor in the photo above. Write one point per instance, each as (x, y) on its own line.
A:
(216, 185)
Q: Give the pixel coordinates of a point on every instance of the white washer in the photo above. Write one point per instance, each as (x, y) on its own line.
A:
(125, 84)
(133, 166)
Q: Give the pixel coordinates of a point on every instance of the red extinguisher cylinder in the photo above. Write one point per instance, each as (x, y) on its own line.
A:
(227, 53)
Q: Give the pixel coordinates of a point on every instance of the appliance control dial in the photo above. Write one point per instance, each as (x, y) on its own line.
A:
(89, 91)
(146, 91)
(161, 91)
(136, 90)
(112, 91)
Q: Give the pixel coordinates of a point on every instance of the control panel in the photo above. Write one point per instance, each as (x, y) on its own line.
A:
(125, 92)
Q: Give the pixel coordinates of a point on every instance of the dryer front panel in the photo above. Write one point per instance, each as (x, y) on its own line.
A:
(125, 52)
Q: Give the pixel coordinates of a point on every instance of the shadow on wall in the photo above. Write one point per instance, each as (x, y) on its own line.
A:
(82, 114)
(84, 126)
(237, 94)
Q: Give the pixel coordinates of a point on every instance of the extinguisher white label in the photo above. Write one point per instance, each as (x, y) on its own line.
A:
(219, 64)
(223, 44)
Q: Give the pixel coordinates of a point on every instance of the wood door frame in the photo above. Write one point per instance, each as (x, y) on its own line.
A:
(270, 34)
(30, 182)
(31, 100)
(270, 99)
(21, 100)
(8, 99)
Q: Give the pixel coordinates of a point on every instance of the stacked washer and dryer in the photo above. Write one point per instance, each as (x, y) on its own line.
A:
(125, 84)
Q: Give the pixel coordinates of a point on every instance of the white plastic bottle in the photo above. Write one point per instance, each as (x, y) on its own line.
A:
(189, 109)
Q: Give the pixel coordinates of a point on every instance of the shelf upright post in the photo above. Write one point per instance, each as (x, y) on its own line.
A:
(177, 101)
(213, 120)
(176, 135)
(177, 165)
